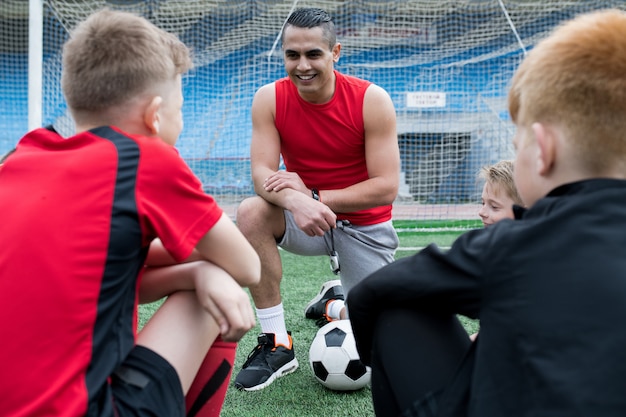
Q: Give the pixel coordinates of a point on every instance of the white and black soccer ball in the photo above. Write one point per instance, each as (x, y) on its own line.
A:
(334, 359)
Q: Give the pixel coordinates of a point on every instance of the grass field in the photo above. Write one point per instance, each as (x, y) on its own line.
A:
(298, 394)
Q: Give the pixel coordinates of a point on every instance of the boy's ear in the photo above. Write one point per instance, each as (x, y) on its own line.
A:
(151, 116)
(546, 146)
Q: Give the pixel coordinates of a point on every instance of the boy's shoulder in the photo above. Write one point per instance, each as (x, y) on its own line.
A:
(116, 134)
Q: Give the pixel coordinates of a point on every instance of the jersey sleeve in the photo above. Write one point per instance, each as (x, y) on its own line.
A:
(431, 280)
(172, 204)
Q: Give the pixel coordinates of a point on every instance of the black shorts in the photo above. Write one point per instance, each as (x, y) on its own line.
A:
(452, 400)
(147, 385)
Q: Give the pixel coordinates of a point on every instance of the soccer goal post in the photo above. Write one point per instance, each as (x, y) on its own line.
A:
(445, 63)
(35, 62)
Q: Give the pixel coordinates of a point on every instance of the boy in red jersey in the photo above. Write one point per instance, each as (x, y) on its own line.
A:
(337, 137)
(548, 287)
(81, 218)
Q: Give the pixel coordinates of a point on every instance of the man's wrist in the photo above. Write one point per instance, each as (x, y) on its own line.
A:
(315, 193)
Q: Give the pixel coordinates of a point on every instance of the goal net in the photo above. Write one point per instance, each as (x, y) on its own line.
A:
(445, 63)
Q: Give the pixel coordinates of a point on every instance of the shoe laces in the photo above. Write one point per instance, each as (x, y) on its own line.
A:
(263, 345)
(325, 319)
(322, 321)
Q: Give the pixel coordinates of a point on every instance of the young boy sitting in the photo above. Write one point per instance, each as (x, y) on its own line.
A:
(82, 216)
(499, 195)
(499, 192)
(549, 287)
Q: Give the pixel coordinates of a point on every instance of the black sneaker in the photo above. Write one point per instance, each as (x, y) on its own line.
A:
(325, 319)
(331, 290)
(266, 363)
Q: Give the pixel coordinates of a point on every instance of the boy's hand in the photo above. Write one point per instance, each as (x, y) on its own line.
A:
(227, 302)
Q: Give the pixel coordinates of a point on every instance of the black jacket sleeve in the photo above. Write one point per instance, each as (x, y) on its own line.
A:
(431, 280)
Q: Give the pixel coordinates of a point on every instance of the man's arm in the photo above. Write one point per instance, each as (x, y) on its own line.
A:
(382, 157)
(313, 217)
(265, 143)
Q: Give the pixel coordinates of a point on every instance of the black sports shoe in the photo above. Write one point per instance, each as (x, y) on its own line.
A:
(324, 320)
(266, 363)
(331, 290)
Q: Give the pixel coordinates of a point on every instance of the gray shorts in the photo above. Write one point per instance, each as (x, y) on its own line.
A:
(361, 249)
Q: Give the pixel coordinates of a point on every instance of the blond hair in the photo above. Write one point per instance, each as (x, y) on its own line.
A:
(500, 175)
(575, 78)
(113, 56)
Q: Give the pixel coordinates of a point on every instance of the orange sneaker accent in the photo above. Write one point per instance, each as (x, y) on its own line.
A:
(287, 347)
(328, 317)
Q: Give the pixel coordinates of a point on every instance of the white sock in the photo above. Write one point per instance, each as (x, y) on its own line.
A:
(272, 320)
(333, 309)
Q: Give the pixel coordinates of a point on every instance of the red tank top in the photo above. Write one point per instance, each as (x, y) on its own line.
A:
(324, 143)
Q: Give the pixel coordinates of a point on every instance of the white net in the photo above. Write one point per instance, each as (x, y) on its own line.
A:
(445, 63)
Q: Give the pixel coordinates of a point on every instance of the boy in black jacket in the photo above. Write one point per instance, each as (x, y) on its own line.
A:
(548, 287)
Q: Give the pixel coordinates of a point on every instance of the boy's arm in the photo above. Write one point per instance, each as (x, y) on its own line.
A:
(223, 245)
(159, 256)
(218, 293)
(228, 263)
(430, 280)
(236, 264)
(160, 281)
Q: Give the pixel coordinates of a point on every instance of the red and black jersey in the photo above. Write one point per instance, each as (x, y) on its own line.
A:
(78, 216)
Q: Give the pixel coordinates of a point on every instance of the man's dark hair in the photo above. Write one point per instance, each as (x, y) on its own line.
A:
(311, 17)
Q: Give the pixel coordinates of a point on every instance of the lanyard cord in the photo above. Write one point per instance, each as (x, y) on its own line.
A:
(332, 254)
(331, 247)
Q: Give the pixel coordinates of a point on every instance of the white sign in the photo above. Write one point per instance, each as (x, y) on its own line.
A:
(425, 99)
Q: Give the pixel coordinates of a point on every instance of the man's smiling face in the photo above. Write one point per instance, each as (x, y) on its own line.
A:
(309, 62)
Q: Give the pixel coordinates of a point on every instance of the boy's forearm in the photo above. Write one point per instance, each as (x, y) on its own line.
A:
(159, 256)
(160, 281)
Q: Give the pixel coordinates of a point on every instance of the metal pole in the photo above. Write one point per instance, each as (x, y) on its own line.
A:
(35, 63)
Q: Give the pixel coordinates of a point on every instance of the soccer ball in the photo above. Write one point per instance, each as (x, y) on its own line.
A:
(334, 359)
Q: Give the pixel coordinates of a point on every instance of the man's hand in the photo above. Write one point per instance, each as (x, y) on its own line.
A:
(280, 180)
(312, 217)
